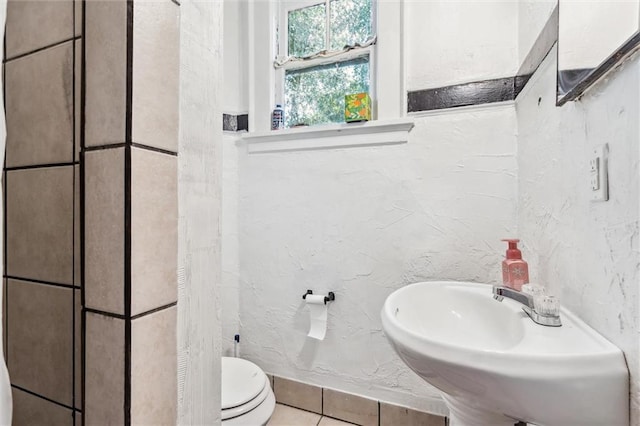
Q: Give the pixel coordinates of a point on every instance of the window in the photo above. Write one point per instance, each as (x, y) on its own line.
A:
(324, 53)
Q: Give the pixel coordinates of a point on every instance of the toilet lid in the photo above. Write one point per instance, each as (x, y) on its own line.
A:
(242, 381)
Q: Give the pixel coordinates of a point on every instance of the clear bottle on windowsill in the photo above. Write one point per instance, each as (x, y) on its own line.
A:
(277, 118)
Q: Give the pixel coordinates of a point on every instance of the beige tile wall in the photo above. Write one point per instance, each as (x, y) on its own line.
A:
(298, 394)
(28, 409)
(154, 231)
(153, 360)
(40, 224)
(105, 72)
(350, 408)
(104, 236)
(156, 51)
(40, 334)
(130, 211)
(41, 192)
(104, 370)
(48, 77)
(347, 407)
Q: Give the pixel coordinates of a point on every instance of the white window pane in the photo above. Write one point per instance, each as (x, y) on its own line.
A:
(307, 30)
(350, 22)
(316, 95)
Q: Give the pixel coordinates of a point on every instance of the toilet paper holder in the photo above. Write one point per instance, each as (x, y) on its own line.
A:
(330, 297)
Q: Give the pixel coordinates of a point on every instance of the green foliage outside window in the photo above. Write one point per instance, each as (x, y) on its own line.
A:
(307, 29)
(350, 22)
(315, 95)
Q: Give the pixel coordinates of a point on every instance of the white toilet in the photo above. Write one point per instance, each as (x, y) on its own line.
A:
(247, 398)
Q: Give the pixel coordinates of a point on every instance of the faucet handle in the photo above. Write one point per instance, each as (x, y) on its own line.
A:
(549, 306)
(533, 290)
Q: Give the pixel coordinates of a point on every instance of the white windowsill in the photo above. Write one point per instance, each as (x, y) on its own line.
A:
(343, 135)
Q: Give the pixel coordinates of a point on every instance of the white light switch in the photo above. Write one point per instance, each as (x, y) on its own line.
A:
(598, 173)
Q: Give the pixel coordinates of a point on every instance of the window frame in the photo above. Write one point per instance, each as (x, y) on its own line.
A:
(282, 48)
(388, 61)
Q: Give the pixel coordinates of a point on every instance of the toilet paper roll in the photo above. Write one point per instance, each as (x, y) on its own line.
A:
(317, 316)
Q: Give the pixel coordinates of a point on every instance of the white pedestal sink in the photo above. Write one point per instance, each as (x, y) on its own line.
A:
(495, 366)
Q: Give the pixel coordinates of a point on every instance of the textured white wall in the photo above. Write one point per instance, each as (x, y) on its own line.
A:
(450, 42)
(590, 31)
(587, 253)
(363, 222)
(532, 17)
(447, 42)
(235, 96)
(199, 195)
(230, 289)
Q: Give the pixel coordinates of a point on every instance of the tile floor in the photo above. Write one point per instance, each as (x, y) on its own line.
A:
(289, 416)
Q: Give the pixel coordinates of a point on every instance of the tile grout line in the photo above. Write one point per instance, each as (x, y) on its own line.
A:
(81, 158)
(298, 408)
(444, 420)
(37, 395)
(127, 212)
(42, 166)
(133, 144)
(37, 281)
(130, 317)
(105, 313)
(154, 149)
(154, 310)
(4, 210)
(40, 49)
(104, 147)
(73, 215)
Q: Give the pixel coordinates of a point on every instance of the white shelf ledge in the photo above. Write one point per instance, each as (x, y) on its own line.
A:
(331, 136)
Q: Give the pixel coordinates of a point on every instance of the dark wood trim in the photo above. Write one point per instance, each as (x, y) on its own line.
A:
(459, 95)
(235, 123)
(489, 91)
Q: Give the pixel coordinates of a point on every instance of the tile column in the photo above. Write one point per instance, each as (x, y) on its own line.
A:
(41, 276)
(129, 176)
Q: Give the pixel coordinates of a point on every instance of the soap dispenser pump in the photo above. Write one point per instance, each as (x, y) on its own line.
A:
(515, 271)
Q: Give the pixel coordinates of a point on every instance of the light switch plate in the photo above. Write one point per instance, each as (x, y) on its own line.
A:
(599, 173)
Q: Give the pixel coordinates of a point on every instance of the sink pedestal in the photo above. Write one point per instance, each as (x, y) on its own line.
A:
(462, 414)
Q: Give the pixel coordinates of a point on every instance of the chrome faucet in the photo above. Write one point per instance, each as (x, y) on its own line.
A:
(544, 311)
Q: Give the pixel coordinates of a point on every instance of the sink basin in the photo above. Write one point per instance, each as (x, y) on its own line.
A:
(494, 365)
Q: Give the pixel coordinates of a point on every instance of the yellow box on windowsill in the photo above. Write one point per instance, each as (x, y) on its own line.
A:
(357, 107)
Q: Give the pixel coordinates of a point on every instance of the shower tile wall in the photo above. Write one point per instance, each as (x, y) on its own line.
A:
(127, 149)
(42, 282)
(130, 209)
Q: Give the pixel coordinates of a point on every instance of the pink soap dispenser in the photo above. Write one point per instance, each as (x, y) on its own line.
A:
(515, 271)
